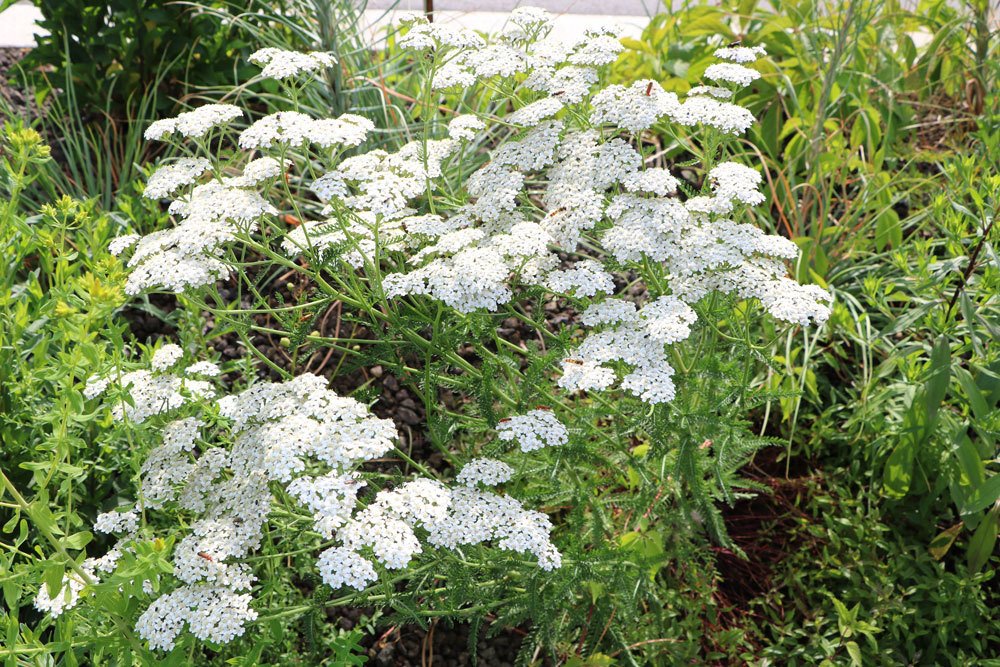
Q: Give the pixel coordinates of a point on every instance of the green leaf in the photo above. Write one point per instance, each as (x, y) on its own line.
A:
(597, 591)
(78, 540)
(983, 496)
(975, 397)
(899, 469)
(982, 542)
(940, 545)
(636, 45)
(854, 651)
(11, 593)
(940, 373)
(888, 230)
(9, 526)
(53, 578)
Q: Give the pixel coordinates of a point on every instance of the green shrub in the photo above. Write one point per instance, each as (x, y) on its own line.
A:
(856, 592)
(639, 394)
(110, 53)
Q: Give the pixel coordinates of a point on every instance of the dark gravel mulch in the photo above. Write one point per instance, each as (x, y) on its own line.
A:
(14, 99)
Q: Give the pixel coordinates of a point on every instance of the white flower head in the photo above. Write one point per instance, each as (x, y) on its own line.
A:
(171, 177)
(281, 64)
(732, 73)
(740, 54)
(711, 91)
(735, 182)
(534, 113)
(634, 338)
(635, 108)
(533, 430)
(166, 356)
(120, 244)
(117, 522)
(488, 472)
(194, 124)
(655, 180)
(465, 127)
(725, 116)
(339, 567)
(204, 368)
(586, 278)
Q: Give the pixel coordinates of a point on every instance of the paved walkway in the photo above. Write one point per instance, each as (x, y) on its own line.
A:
(17, 24)
(604, 7)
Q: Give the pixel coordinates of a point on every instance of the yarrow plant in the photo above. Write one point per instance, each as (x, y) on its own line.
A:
(297, 440)
(639, 282)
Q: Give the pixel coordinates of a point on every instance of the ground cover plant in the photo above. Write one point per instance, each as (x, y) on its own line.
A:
(601, 369)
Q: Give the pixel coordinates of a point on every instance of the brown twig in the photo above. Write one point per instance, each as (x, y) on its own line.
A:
(969, 269)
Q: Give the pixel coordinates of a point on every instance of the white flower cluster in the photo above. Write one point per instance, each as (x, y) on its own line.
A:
(279, 431)
(474, 269)
(534, 113)
(476, 516)
(577, 168)
(211, 612)
(170, 178)
(634, 338)
(451, 518)
(711, 91)
(203, 368)
(707, 109)
(586, 278)
(585, 168)
(281, 64)
(527, 24)
(488, 472)
(423, 34)
(306, 438)
(656, 180)
(166, 356)
(635, 108)
(151, 392)
(292, 128)
(255, 172)
(193, 124)
(117, 522)
(731, 73)
(533, 430)
(189, 255)
(214, 214)
(732, 182)
(740, 54)
(465, 127)
(524, 47)
(69, 592)
(383, 183)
